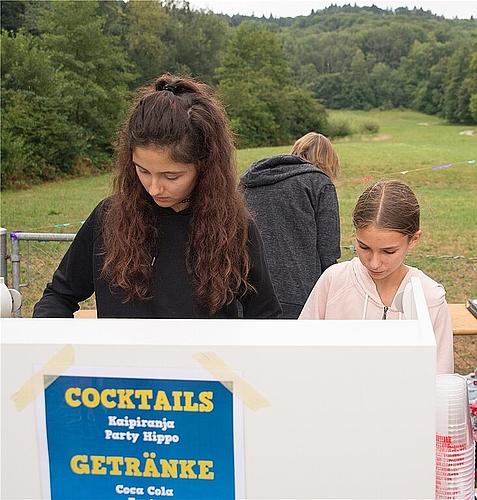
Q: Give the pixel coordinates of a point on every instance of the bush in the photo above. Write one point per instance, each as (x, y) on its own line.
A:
(339, 126)
(368, 127)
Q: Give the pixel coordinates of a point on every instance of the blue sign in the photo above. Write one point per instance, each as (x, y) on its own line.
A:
(139, 439)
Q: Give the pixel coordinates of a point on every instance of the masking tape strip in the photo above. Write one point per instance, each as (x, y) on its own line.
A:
(37, 383)
(224, 374)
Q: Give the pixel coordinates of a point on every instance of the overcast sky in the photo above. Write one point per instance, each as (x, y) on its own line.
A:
(462, 9)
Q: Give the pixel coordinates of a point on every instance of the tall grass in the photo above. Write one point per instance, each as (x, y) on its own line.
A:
(406, 147)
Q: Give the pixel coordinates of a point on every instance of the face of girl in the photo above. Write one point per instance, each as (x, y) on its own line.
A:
(382, 251)
(166, 181)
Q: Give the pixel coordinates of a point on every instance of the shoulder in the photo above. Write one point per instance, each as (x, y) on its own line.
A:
(433, 291)
(339, 269)
(344, 275)
(102, 207)
(336, 277)
(96, 217)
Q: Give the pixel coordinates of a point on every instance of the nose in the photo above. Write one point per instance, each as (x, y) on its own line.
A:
(374, 262)
(156, 188)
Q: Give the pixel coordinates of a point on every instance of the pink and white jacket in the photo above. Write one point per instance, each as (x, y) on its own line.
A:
(346, 291)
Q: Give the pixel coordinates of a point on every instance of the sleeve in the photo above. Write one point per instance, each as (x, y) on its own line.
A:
(442, 323)
(315, 305)
(72, 281)
(328, 224)
(263, 303)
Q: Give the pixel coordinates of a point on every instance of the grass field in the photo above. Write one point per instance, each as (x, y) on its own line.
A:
(407, 147)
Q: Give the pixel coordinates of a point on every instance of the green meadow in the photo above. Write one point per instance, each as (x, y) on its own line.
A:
(407, 147)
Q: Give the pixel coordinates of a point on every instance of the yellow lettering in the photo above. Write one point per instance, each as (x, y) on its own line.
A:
(105, 394)
(204, 466)
(132, 466)
(115, 462)
(186, 469)
(97, 462)
(91, 397)
(142, 399)
(79, 465)
(125, 399)
(206, 403)
(189, 406)
(177, 400)
(144, 395)
(73, 391)
(150, 469)
(162, 403)
(169, 468)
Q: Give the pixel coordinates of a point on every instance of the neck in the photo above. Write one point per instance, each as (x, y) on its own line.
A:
(182, 205)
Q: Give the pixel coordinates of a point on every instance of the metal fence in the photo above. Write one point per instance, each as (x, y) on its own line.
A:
(32, 259)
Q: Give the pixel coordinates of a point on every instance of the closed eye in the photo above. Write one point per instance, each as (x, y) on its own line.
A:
(140, 169)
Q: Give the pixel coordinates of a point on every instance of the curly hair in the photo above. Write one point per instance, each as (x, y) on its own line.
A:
(183, 117)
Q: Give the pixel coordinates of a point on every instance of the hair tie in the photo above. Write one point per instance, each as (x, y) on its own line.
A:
(171, 88)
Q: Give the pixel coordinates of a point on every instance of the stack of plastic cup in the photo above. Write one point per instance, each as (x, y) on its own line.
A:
(455, 452)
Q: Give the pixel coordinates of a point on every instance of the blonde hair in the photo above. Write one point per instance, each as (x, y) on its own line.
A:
(318, 150)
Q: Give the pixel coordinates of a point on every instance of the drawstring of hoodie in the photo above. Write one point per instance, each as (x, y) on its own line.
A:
(365, 306)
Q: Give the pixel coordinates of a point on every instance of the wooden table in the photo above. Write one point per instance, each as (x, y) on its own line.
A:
(85, 313)
(463, 321)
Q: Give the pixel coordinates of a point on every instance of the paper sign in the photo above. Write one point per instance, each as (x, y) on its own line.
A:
(121, 437)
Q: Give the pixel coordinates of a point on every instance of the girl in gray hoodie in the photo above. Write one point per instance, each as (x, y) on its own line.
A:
(295, 205)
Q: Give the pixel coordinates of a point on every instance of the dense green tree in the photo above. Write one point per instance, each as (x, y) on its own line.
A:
(145, 35)
(388, 42)
(457, 95)
(471, 82)
(256, 83)
(195, 41)
(254, 51)
(36, 138)
(382, 83)
(429, 94)
(95, 69)
(114, 16)
(12, 15)
(328, 89)
(357, 84)
(68, 69)
(333, 52)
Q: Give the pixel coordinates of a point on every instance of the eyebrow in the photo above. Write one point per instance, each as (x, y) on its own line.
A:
(166, 172)
(385, 248)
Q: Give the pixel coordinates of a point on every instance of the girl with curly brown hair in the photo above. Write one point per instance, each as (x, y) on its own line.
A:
(175, 239)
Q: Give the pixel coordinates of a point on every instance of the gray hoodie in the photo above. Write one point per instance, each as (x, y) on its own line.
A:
(296, 209)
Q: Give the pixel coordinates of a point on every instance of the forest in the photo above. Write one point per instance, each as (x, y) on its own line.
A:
(69, 70)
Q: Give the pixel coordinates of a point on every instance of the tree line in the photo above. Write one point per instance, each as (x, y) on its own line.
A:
(69, 70)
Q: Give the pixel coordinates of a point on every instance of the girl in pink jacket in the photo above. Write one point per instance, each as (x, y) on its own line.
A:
(387, 223)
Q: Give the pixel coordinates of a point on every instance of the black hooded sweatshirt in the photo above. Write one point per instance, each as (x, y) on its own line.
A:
(79, 276)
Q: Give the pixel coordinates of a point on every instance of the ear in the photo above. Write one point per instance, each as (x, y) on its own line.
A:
(414, 239)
